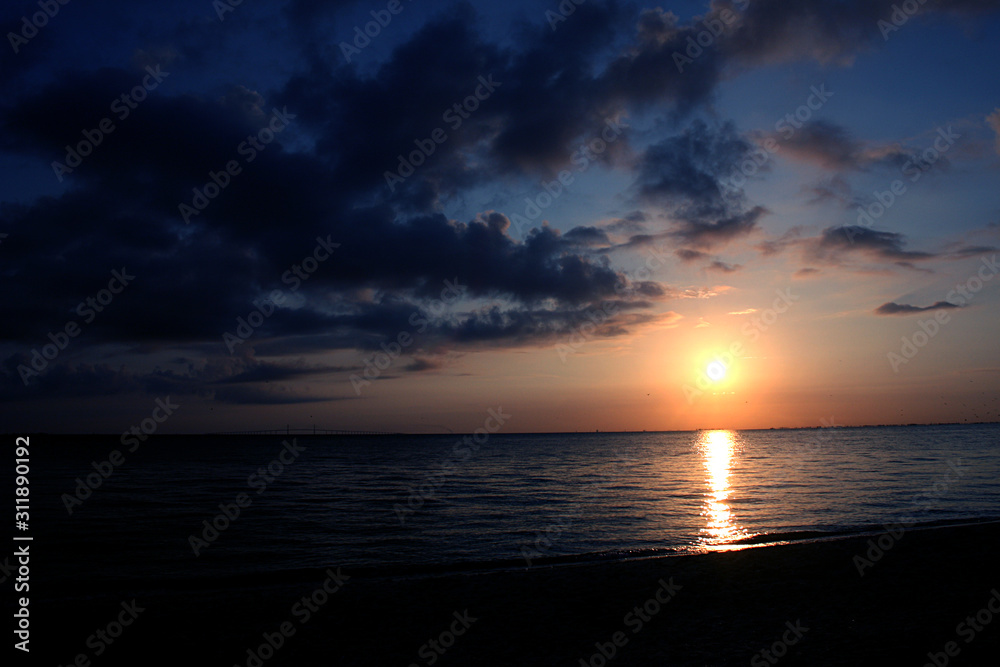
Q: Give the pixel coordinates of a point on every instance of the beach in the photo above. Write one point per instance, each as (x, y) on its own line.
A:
(804, 603)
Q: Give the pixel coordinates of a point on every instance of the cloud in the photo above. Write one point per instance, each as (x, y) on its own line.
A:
(824, 143)
(993, 120)
(633, 223)
(421, 364)
(197, 279)
(841, 245)
(828, 31)
(748, 311)
(964, 252)
(586, 237)
(704, 292)
(723, 267)
(684, 170)
(893, 308)
(835, 189)
(684, 173)
(547, 326)
(243, 395)
(272, 372)
(717, 232)
(832, 147)
(689, 255)
(835, 244)
(789, 238)
(640, 242)
(306, 14)
(241, 380)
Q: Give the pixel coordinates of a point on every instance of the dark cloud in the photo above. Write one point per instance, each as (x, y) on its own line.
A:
(972, 251)
(832, 147)
(609, 319)
(826, 144)
(703, 233)
(632, 223)
(248, 395)
(835, 243)
(824, 30)
(241, 380)
(639, 241)
(688, 255)
(835, 189)
(723, 267)
(234, 252)
(270, 372)
(647, 71)
(684, 170)
(893, 308)
(842, 245)
(304, 14)
(421, 364)
(587, 237)
(684, 173)
(790, 238)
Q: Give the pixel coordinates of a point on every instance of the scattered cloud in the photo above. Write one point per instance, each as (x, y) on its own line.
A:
(893, 308)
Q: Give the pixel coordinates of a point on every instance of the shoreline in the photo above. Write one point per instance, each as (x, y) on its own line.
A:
(432, 570)
(727, 607)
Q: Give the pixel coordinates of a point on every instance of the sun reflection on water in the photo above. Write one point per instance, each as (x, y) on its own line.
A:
(718, 449)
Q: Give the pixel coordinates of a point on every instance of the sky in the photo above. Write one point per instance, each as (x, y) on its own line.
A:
(400, 215)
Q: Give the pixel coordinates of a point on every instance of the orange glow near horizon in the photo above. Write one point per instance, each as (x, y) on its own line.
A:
(718, 449)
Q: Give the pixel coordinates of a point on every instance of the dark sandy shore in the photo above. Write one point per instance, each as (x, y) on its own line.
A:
(723, 609)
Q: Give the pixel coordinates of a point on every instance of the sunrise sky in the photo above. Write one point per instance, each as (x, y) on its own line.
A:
(608, 216)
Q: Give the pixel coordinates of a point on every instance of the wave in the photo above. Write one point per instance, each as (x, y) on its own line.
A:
(853, 531)
(185, 581)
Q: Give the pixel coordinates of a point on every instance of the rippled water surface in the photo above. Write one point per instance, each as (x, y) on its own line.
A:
(415, 500)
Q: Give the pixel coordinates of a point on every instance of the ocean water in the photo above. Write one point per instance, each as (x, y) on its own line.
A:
(397, 504)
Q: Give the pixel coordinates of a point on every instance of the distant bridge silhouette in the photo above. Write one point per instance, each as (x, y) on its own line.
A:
(303, 431)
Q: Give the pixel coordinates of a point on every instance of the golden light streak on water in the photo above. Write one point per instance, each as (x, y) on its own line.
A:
(718, 449)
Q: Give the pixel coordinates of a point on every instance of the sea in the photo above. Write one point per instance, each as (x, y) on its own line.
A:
(179, 510)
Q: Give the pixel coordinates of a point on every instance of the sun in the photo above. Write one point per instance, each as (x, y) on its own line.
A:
(716, 371)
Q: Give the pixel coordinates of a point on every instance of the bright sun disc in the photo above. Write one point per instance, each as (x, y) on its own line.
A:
(716, 371)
